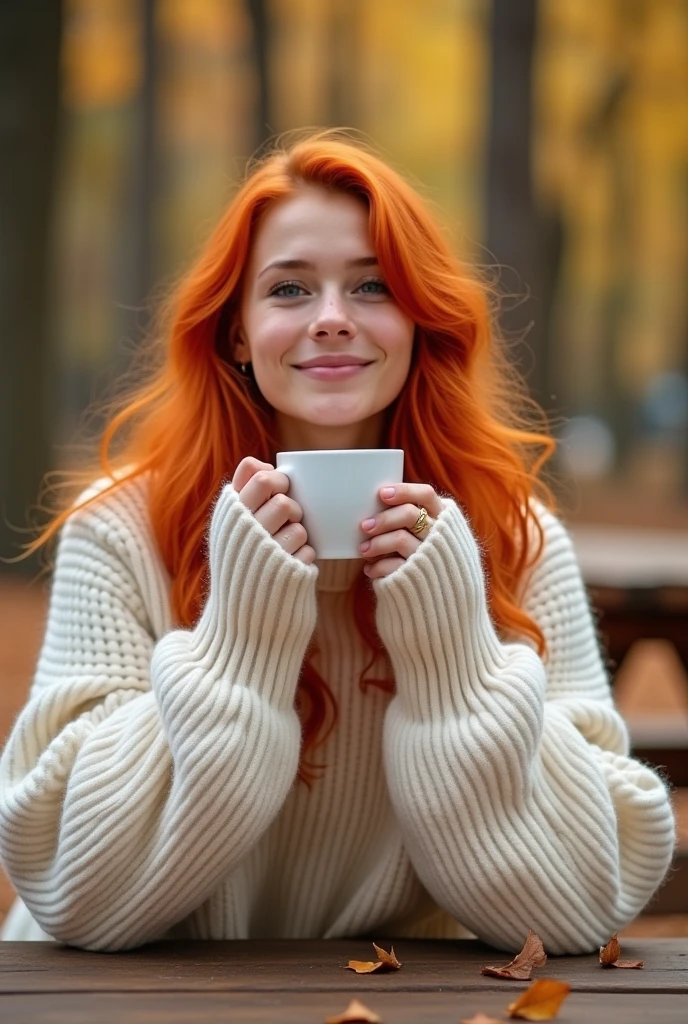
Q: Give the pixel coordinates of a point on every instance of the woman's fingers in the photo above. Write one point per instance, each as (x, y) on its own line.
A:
(246, 469)
(401, 517)
(292, 537)
(262, 487)
(278, 511)
(264, 494)
(306, 554)
(383, 567)
(421, 495)
(401, 541)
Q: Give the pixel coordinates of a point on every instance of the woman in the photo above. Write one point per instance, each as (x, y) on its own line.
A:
(175, 771)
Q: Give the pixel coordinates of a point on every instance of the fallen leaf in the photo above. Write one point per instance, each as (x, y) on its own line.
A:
(541, 1001)
(389, 959)
(610, 954)
(364, 966)
(385, 962)
(521, 967)
(355, 1013)
(480, 1018)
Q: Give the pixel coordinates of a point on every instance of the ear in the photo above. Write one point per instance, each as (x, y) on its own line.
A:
(238, 345)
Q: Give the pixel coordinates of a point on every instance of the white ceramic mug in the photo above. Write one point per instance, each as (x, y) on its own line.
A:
(337, 490)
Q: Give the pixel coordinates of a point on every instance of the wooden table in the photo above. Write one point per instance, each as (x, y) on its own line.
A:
(304, 982)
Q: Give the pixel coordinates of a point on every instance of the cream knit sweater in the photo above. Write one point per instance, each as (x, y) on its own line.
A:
(148, 787)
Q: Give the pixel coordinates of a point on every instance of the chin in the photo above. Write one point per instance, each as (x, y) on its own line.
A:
(335, 424)
(328, 416)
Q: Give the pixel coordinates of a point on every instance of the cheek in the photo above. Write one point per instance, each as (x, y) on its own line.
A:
(271, 335)
(395, 329)
(397, 334)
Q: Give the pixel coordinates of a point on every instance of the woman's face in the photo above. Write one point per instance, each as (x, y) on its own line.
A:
(313, 288)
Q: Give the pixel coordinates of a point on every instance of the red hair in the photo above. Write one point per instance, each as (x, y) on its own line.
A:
(460, 418)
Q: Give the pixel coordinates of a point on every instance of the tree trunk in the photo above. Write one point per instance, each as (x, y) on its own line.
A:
(344, 62)
(516, 236)
(30, 34)
(138, 270)
(258, 14)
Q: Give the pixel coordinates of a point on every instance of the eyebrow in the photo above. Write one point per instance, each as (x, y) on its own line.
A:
(361, 261)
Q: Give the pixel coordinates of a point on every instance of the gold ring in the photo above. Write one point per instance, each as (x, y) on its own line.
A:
(421, 522)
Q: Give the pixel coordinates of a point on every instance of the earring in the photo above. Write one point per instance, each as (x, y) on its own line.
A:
(243, 369)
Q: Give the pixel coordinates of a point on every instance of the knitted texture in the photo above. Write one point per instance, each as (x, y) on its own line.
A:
(148, 788)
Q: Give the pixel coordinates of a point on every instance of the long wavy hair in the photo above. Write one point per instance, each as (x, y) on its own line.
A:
(463, 417)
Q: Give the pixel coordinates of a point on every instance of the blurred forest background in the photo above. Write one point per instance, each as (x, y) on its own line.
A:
(553, 135)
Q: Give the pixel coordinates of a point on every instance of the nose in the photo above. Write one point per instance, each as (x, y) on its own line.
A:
(332, 319)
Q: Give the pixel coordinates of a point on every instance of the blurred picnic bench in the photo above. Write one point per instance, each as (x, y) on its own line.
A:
(638, 585)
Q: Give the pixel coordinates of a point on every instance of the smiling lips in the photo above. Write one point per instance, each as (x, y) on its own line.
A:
(333, 359)
(341, 372)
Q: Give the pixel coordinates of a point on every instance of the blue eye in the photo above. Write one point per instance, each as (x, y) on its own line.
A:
(287, 290)
(379, 286)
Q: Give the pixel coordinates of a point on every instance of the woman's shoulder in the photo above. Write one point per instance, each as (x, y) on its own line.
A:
(109, 533)
(555, 533)
(112, 508)
(546, 531)
(112, 494)
(553, 560)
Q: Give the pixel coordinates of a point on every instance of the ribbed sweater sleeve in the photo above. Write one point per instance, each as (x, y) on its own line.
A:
(510, 777)
(141, 772)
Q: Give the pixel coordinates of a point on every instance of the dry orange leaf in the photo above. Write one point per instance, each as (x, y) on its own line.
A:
(388, 959)
(364, 966)
(541, 1001)
(355, 1013)
(385, 962)
(521, 967)
(480, 1018)
(610, 954)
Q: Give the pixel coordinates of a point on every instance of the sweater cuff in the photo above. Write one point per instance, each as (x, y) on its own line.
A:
(433, 619)
(645, 820)
(261, 608)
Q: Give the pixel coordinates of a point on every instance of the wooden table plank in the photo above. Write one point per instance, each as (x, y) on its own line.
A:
(310, 967)
(314, 1008)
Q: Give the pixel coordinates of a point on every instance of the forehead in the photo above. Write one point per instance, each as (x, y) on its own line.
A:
(310, 223)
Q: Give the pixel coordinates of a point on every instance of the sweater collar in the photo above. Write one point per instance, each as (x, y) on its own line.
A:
(337, 574)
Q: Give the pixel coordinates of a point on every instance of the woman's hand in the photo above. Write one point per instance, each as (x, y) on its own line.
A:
(263, 490)
(391, 541)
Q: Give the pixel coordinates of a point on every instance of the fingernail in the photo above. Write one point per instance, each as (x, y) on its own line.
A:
(365, 545)
(368, 524)
(388, 492)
